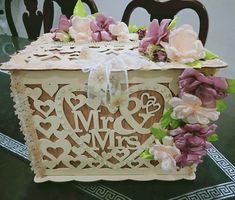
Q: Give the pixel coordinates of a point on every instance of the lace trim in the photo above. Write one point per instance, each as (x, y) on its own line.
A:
(24, 114)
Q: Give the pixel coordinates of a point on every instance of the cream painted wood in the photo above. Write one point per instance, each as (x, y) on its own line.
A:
(96, 145)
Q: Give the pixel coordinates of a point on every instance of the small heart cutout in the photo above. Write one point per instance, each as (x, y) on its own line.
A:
(45, 107)
(120, 154)
(74, 101)
(56, 152)
(135, 163)
(46, 125)
(33, 93)
(75, 163)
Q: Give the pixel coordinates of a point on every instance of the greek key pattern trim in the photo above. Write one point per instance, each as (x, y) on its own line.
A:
(101, 192)
(226, 166)
(221, 191)
(14, 146)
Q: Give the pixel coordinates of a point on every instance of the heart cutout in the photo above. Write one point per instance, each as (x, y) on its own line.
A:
(151, 105)
(75, 102)
(135, 163)
(120, 154)
(45, 107)
(75, 163)
(46, 126)
(56, 152)
(33, 93)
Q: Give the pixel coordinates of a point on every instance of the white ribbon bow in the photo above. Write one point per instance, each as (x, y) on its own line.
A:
(108, 77)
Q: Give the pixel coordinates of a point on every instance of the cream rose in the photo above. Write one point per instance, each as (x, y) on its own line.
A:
(165, 153)
(80, 30)
(120, 30)
(190, 109)
(184, 46)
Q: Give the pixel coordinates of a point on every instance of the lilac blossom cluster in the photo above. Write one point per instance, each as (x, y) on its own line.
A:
(208, 89)
(191, 140)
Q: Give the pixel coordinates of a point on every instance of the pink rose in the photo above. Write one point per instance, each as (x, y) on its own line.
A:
(183, 45)
(80, 30)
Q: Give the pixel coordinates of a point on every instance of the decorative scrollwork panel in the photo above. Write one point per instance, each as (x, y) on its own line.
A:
(77, 134)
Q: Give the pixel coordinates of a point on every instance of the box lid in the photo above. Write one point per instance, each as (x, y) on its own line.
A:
(46, 54)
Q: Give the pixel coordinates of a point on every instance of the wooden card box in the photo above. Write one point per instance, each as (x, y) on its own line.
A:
(70, 140)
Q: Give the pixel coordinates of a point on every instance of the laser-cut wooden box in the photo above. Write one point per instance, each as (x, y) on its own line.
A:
(69, 139)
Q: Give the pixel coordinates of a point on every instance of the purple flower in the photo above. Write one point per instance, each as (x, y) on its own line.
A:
(100, 28)
(186, 159)
(61, 33)
(141, 33)
(208, 89)
(159, 56)
(64, 24)
(191, 140)
(156, 53)
(192, 149)
(196, 129)
(155, 34)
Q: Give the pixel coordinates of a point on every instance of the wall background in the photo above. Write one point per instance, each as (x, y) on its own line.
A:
(221, 17)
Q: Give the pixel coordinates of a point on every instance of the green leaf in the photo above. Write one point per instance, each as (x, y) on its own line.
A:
(173, 23)
(146, 155)
(175, 123)
(212, 138)
(142, 27)
(220, 105)
(231, 86)
(79, 9)
(195, 64)
(210, 55)
(158, 133)
(133, 28)
(94, 14)
(166, 119)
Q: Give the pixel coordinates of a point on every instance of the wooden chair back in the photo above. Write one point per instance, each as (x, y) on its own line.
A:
(34, 18)
(66, 6)
(168, 9)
